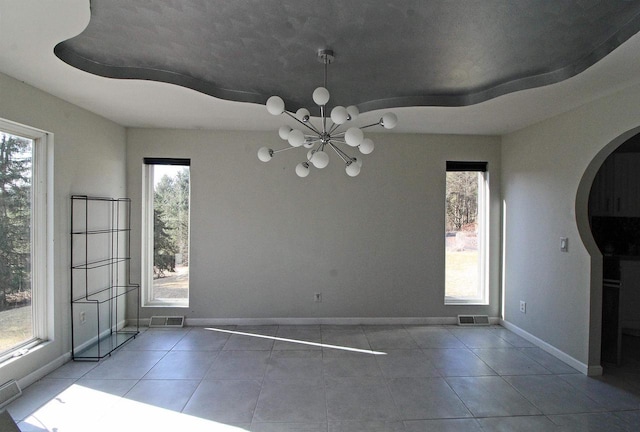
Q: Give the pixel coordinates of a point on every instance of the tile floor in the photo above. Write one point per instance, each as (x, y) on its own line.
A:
(330, 379)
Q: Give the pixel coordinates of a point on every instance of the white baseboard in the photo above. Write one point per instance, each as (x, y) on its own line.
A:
(560, 355)
(43, 371)
(201, 322)
(56, 363)
(320, 321)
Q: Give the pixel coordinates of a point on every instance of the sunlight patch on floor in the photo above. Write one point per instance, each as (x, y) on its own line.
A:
(78, 408)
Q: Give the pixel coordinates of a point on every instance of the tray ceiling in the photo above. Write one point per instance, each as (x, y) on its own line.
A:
(388, 54)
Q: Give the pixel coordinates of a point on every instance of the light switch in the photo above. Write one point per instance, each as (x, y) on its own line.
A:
(564, 244)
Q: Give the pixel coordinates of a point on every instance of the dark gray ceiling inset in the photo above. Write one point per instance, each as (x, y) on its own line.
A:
(388, 53)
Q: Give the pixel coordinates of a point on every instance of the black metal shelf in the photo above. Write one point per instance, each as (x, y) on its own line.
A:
(103, 231)
(101, 290)
(107, 344)
(107, 294)
(100, 263)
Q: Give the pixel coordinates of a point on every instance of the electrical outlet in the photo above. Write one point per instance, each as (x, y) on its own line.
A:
(318, 298)
(83, 317)
(523, 306)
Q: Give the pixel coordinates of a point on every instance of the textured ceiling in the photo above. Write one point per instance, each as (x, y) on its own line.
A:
(388, 53)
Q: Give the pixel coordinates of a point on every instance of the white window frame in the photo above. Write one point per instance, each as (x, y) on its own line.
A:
(41, 229)
(147, 244)
(483, 248)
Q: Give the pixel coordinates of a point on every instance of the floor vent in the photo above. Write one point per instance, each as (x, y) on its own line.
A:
(166, 321)
(473, 320)
(9, 392)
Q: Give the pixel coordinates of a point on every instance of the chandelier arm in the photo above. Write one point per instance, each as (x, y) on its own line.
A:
(313, 142)
(308, 125)
(333, 128)
(370, 125)
(345, 157)
(345, 154)
(282, 149)
(351, 159)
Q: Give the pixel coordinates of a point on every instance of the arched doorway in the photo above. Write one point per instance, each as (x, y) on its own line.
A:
(614, 225)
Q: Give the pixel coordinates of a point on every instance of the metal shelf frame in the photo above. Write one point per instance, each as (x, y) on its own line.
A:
(101, 289)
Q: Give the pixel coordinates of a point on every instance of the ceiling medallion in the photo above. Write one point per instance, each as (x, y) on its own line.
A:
(326, 135)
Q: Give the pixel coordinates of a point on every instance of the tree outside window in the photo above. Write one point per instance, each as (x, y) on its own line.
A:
(167, 243)
(15, 240)
(465, 229)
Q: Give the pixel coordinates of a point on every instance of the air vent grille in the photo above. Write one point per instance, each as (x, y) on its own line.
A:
(166, 321)
(473, 320)
(8, 392)
(465, 319)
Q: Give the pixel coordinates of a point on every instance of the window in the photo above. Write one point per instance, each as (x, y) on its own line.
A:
(165, 249)
(466, 233)
(23, 238)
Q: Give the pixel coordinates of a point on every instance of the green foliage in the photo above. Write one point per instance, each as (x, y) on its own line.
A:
(171, 220)
(164, 248)
(462, 199)
(15, 220)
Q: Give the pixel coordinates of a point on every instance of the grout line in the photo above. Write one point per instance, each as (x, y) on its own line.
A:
(387, 380)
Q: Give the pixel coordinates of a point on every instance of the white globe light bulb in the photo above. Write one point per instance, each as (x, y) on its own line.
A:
(353, 111)
(296, 138)
(366, 146)
(339, 115)
(320, 96)
(310, 155)
(302, 169)
(284, 132)
(275, 105)
(303, 114)
(389, 120)
(320, 159)
(354, 136)
(265, 154)
(353, 169)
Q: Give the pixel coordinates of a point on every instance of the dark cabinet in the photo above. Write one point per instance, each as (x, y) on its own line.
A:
(616, 187)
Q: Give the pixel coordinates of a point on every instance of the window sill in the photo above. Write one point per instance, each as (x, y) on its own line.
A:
(22, 351)
(466, 303)
(164, 304)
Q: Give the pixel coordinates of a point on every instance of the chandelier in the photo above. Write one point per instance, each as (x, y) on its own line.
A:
(324, 135)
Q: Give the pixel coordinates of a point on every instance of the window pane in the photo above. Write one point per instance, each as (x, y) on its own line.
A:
(16, 317)
(170, 233)
(463, 237)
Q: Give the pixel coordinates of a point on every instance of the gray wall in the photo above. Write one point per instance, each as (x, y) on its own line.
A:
(263, 241)
(88, 158)
(547, 172)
